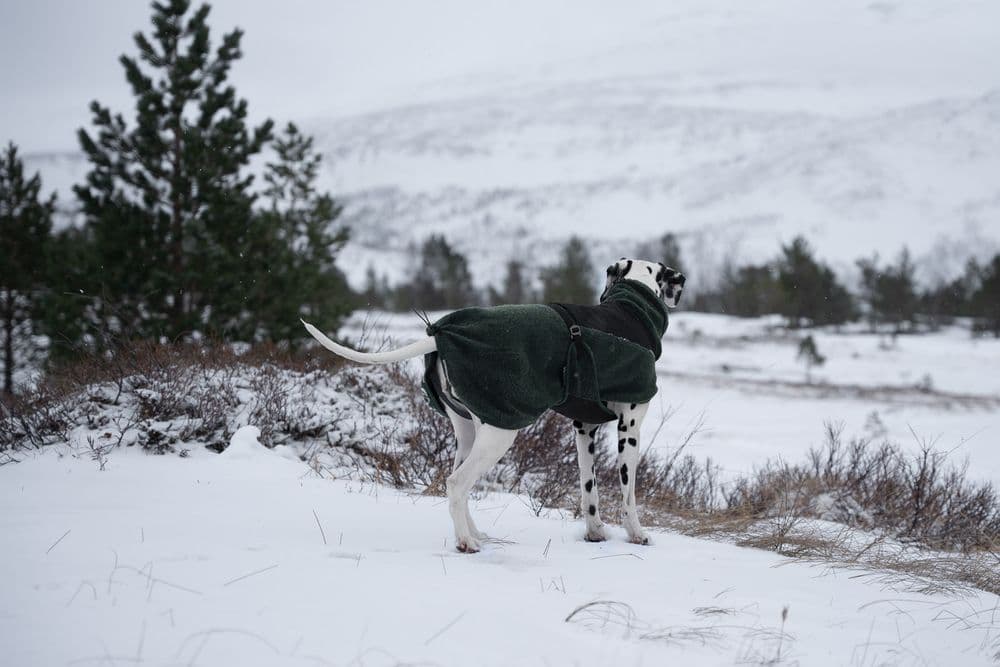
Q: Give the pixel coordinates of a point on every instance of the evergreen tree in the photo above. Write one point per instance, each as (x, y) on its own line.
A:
(810, 291)
(443, 280)
(25, 229)
(571, 280)
(749, 291)
(950, 299)
(515, 289)
(288, 259)
(377, 292)
(890, 292)
(985, 300)
(167, 201)
(809, 355)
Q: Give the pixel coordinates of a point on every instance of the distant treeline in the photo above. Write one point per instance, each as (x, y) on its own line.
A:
(795, 284)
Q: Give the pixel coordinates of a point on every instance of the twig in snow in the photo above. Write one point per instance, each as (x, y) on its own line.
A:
(321, 531)
(251, 574)
(500, 515)
(58, 541)
(545, 554)
(80, 588)
(617, 555)
(444, 629)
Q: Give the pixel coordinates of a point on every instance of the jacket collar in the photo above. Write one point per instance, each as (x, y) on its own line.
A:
(643, 303)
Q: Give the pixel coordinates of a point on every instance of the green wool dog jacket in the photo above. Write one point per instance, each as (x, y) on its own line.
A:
(509, 364)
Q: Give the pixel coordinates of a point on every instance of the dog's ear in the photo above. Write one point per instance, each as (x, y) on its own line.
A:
(671, 283)
(615, 273)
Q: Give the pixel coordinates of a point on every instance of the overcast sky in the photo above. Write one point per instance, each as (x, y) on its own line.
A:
(301, 57)
(307, 59)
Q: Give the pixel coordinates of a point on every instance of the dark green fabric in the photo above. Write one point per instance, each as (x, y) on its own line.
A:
(509, 364)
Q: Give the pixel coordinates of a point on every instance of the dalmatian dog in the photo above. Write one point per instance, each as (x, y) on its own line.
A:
(481, 445)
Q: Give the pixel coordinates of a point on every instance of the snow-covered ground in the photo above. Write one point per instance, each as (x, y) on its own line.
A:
(246, 558)
(250, 557)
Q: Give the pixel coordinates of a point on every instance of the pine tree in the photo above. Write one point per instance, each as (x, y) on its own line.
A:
(515, 289)
(570, 281)
(25, 232)
(167, 200)
(290, 252)
(810, 291)
(443, 279)
(749, 291)
(950, 299)
(890, 292)
(986, 298)
(809, 355)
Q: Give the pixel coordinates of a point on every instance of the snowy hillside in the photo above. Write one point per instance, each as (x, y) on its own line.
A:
(863, 125)
(623, 161)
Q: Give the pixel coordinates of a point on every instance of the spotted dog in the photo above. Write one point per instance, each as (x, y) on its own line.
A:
(492, 371)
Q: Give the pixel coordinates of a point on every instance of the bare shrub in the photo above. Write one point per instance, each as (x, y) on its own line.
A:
(156, 395)
(916, 497)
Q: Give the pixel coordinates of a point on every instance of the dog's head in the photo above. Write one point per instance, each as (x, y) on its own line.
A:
(665, 282)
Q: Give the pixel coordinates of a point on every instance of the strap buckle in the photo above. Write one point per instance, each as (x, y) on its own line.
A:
(575, 332)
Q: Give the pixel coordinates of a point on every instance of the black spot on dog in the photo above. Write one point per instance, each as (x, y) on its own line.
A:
(621, 445)
(577, 424)
(580, 431)
(649, 268)
(593, 432)
(592, 510)
(589, 486)
(632, 442)
(591, 448)
(633, 406)
(624, 472)
(632, 423)
(622, 426)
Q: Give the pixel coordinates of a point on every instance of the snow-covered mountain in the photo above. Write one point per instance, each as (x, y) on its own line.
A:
(862, 125)
(620, 162)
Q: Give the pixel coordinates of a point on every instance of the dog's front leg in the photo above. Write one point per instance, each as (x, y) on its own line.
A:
(586, 438)
(491, 444)
(630, 417)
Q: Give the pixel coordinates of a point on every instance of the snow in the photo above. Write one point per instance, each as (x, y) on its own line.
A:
(253, 560)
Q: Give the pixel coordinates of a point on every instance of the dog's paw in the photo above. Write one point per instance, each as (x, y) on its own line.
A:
(595, 535)
(468, 546)
(641, 539)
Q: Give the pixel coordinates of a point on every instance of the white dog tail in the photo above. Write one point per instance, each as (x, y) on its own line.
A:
(406, 352)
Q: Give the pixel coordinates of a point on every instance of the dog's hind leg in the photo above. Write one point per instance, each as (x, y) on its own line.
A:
(586, 438)
(629, 423)
(491, 443)
(465, 434)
